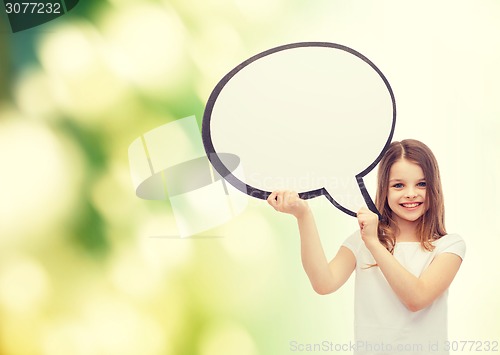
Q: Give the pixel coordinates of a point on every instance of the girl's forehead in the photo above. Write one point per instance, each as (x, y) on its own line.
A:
(404, 168)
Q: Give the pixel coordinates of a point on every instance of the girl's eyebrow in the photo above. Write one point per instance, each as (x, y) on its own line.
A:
(397, 180)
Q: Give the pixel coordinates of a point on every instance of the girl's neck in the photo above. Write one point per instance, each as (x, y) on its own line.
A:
(407, 231)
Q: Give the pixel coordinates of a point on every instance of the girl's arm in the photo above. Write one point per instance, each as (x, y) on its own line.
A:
(416, 293)
(325, 277)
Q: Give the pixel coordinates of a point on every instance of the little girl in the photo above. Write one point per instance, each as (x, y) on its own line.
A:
(404, 263)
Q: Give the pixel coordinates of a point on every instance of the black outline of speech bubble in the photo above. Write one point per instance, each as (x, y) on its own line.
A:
(254, 192)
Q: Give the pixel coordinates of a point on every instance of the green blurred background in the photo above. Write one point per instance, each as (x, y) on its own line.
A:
(81, 271)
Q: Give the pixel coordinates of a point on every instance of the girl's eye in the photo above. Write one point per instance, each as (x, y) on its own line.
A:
(398, 185)
(422, 184)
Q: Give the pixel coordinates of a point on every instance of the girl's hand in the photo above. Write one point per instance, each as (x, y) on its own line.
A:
(368, 224)
(288, 202)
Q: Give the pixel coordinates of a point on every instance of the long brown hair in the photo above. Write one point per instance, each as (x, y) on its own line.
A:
(431, 225)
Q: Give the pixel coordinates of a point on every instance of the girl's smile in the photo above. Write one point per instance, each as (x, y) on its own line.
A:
(411, 206)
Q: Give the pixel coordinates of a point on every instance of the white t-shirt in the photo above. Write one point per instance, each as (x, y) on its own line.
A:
(382, 324)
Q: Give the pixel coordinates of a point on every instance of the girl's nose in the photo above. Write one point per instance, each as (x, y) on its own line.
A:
(410, 193)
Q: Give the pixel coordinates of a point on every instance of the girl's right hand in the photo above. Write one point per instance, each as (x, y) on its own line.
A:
(288, 202)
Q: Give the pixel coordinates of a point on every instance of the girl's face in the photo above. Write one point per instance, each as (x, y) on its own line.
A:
(407, 187)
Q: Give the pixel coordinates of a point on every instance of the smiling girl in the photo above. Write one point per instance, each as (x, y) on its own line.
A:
(404, 263)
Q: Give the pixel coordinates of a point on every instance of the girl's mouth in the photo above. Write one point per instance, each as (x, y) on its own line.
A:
(411, 205)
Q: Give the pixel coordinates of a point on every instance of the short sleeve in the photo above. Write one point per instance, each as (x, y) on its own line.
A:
(353, 242)
(451, 243)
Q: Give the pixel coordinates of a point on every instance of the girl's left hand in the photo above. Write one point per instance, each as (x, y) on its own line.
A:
(368, 224)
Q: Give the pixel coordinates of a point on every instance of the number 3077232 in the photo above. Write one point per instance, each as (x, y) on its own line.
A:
(33, 8)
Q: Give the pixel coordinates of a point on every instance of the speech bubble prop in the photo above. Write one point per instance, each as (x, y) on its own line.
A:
(314, 117)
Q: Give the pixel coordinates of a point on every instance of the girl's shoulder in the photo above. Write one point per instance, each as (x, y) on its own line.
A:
(450, 243)
(354, 242)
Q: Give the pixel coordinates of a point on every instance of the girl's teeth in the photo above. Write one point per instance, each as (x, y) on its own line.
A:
(410, 205)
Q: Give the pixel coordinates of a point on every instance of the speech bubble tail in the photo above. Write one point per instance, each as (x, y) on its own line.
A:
(349, 195)
(366, 196)
(338, 205)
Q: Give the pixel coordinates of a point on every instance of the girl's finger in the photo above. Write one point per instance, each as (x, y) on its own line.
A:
(287, 199)
(272, 198)
(279, 198)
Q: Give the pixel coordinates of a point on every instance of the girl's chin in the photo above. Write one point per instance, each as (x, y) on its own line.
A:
(408, 216)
